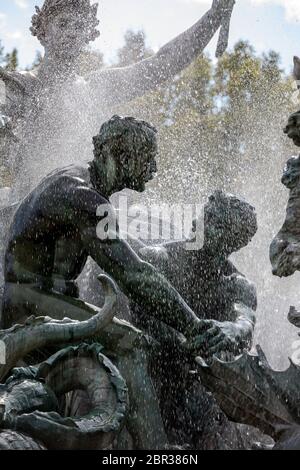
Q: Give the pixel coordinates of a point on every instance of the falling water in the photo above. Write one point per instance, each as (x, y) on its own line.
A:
(256, 178)
(63, 135)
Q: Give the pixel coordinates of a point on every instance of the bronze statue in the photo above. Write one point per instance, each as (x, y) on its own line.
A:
(247, 389)
(208, 281)
(56, 109)
(53, 232)
(225, 299)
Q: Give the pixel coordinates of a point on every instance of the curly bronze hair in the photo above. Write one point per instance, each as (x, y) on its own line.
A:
(123, 133)
(232, 213)
(50, 8)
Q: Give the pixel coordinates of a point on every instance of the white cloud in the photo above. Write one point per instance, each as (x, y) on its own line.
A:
(5, 33)
(21, 4)
(3, 16)
(201, 2)
(14, 35)
(292, 7)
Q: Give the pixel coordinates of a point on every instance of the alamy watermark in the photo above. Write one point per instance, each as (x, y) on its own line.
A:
(2, 353)
(295, 357)
(296, 94)
(2, 92)
(157, 223)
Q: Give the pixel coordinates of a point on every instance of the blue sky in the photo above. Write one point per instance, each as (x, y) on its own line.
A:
(267, 24)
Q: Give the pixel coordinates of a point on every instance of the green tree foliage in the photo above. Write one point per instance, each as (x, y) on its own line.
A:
(254, 99)
(37, 62)
(134, 48)
(223, 121)
(1, 54)
(8, 61)
(11, 60)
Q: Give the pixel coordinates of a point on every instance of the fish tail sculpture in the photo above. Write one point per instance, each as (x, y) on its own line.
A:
(30, 406)
(29, 399)
(249, 391)
(38, 332)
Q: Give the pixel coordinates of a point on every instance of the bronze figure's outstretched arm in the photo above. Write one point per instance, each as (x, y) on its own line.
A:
(127, 83)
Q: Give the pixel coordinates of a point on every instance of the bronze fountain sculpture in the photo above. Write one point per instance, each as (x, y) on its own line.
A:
(248, 389)
(52, 233)
(54, 230)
